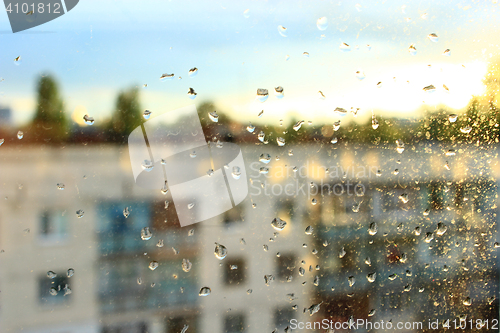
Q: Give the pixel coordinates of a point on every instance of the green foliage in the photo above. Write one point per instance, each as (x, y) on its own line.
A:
(126, 117)
(50, 122)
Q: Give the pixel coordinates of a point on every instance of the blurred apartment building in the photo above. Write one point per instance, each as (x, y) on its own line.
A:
(268, 276)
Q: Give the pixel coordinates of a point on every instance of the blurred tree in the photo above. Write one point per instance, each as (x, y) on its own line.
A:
(50, 122)
(126, 117)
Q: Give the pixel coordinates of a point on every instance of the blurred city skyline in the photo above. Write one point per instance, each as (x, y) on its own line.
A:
(239, 52)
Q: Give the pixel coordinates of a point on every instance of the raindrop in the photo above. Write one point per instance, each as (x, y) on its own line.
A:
(146, 234)
(393, 277)
(190, 205)
(278, 224)
(53, 291)
(166, 77)
(126, 212)
(88, 120)
(213, 116)
(268, 279)
(278, 92)
(302, 271)
(429, 89)
(360, 75)
(371, 277)
(192, 154)
(220, 251)
(205, 291)
(186, 265)
(316, 281)
(160, 243)
(236, 172)
(306, 54)
(309, 230)
(51, 274)
(287, 57)
(467, 301)
(298, 125)
(282, 30)
(404, 198)
(352, 280)
(417, 231)
(466, 129)
(441, 229)
(334, 140)
(147, 165)
(265, 158)
(345, 47)
(246, 13)
(372, 230)
(153, 265)
(2, 141)
(368, 261)
(452, 118)
(340, 111)
(20, 135)
(342, 253)
(193, 71)
(280, 141)
(79, 213)
(262, 94)
(447, 53)
(60, 186)
(433, 37)
(322, 23)
(429, 237)
(70, 272)
(371, 313)
(336, 125)
(261, 136)
(17, 60)
(412, 49)
(250, 128)
(191, 93)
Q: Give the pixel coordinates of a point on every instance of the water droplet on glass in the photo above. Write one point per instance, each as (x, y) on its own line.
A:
(373, 228)
(79, 213)
(452, 118)
(404, 198)
(371, 277)
(160, 243)
(193, 71)
(313, 309)
(278, 224)
(322, 23)
(336, 125)
(368, 261)
(246, 13)
(220, 251)
(126, 212)
(309, 230)
(20, 135)
(466, 129)
(342, 253)
(433, 37)
(279, 92)
(393, 277)
(345, 47)
(417, 231)
(17, 60)
(166, 77)
(186, 265)
(53, 291)
(447, 53)
(88, 120)
(282, 30)
(60, 186)
(334, 140)
(190, 205)
(213, 116)
(262, 94)
(412, 49)
(429, 237)
(429, 89)
(265, 158)
(340, 112)
(146, 234)
(280, 141)
(441, 229)
(51, 274)
(236, 172)
(360, 75)
(400, 146)
(191, 93)
(467, 301)
(321, 95)
(205, 291)
(316, 281)
(153, 265)
(250, 128)
(352, 280)
(147, 165)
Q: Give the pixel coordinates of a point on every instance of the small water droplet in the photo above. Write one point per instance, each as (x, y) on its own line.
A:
(322, 23)
(205, 291)
(160, 243)
(345, 47)
(126, 212)
(412, 49)
(447, 53)
(193, 71)
(279, 92)
(373, 228)
(88, 120)
(146, 234)
(190, 205)
(79, 213)
(280, 141)
(371, 277)
(452, 118)
(433, 37)
(467, 301)
(305, 54)
(336, 125)
(360, 75)
(20, 135)
(250, 128)
(404, 198)
(400, 146)
(429, 89)
(262, 94)
(429, 237)
(191, 93)
(220, 251)
(213, 116)
(186, 265)
(309, 230)
(236, 172)
(466, 129)
(268, 279)
(278, 224)
(153, 265)
(352, 280)
(342, 253)
(147, 165)
(282, 30)
(166, 77)
(17, 60)
(51, 275)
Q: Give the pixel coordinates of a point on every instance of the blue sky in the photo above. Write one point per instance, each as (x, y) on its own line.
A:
(101, 47)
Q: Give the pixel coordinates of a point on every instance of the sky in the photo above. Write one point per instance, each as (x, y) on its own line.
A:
(102, 47)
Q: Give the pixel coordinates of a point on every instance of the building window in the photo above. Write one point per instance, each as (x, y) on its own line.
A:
(126, 328)
(234, 273)
(177, 324)
(286, 266)
(282, 318)
(54, 291)
(53, 225)
(234, 323)
(233, 216)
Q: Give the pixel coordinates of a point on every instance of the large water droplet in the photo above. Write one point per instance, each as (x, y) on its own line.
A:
(279, 92)
(429, 89)
(322, 23)
(236, 172)
(373, 228)
(146, 234)
(466, 129)
(352, 280)
(20, 135)
(88, 120)
(265, 158)
(250, 128)
(147, 165)
(51, 275)
(220, 251)
(371, 277)
(80, 213)
(309, 230)
(205, 291)
(280, 141)
(167, 77)
(278, 224)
